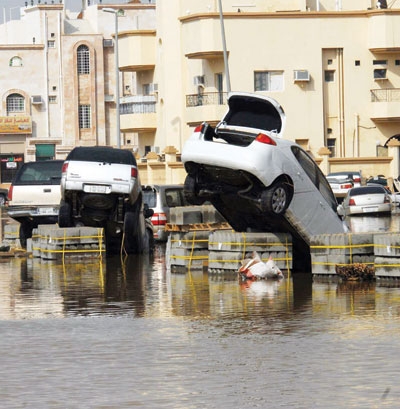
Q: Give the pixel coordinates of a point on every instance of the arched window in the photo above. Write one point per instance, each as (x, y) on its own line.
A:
(15, 103)
(83, 57)
(16, 62)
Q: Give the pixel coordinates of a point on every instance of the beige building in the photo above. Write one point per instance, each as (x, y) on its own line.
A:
(334, 66)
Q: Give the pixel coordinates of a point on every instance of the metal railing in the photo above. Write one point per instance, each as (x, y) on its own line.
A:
(207, 98)
(385, 95)
(138, 104)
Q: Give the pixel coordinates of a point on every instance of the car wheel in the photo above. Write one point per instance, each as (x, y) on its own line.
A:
(64, 215)
(132, 241)
(25, 233)
(2, 200)
(276, 199)
(189, 191)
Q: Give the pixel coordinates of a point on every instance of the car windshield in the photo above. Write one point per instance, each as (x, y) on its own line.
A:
(102, 154)
(39, 172)
(368, 190)
(149, 197)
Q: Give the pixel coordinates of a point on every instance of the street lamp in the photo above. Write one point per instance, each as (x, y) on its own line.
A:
(221, 20)
(115, 12)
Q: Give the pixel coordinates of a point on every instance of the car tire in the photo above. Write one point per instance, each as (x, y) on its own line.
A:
(25, 233)
(189, 191)
(2, 200)
(132, 242)
(275, 200)
(65, 215)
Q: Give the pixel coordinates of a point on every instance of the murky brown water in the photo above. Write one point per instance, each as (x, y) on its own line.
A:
(130, 334)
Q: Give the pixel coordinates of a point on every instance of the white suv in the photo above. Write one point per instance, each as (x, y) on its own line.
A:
(100, 186)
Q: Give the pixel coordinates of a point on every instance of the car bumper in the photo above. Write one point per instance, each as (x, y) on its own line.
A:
(33, 212)
(370, 209)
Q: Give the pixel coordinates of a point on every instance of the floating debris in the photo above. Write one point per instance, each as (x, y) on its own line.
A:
(356, 272)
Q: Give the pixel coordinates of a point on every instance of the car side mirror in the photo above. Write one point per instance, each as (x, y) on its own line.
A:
(147, 211)
(340, 210)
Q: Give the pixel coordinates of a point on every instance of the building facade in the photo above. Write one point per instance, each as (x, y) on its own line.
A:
(333, 65)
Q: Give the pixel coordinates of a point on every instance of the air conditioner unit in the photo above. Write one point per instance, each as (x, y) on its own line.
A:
(199, 80)
(108, 42)
(153, 88)
(36, 99)
(301, 75)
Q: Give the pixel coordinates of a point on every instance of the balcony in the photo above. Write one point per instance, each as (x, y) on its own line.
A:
(137, 50)
(385, 105)
(138, 113)
(208, 45)
(384, 32)
(209, 107)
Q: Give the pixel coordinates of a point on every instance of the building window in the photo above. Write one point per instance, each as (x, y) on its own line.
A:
(379, 62)
(357, 63)
(51, 44)
(52, 99)
(45, 151)
(331, 145)
(84, 117)
(15, 103)
(397, 62)
(16, 62)
(268, 81)
(83, 57)
(380, 74)
(330, 62)
(329, 76)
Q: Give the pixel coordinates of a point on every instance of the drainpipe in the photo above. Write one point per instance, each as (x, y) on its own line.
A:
(356, 136)
(341, 104)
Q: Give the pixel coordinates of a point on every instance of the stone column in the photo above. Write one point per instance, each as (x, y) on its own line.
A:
(324, 152)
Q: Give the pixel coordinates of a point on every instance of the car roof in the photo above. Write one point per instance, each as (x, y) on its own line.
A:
(101, 154)
(367, 190)
(255, 111)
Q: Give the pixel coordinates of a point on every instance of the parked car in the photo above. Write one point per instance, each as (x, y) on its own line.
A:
(100, 186)
(340, 186)
(161, 198)
(34, 196)
(3, 196)
(378, 180)
(366, 199)
(355, 176)
(255, 179)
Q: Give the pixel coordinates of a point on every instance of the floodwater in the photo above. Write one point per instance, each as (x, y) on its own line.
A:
(112, 333)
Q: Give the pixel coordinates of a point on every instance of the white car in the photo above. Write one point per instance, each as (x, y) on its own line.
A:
(255, 179)
(339, 186)
(366, 199)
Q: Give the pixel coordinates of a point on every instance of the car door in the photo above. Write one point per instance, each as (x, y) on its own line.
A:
(313, 205)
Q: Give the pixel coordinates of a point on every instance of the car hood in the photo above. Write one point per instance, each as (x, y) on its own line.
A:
(255, 112)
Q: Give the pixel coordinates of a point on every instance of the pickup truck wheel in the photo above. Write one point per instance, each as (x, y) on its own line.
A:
(25, 233)
(189, 191)
(2, 200)
(275, 199)
(64, 215)
(132, 241)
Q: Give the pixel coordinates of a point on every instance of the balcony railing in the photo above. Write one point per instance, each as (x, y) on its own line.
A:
(208, 98)
(138, 104)
(385, 95)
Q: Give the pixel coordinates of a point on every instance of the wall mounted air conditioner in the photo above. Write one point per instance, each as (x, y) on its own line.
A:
(153, 88)
(199, 80)
(108, 42)
(36, 99)
(301, 75)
